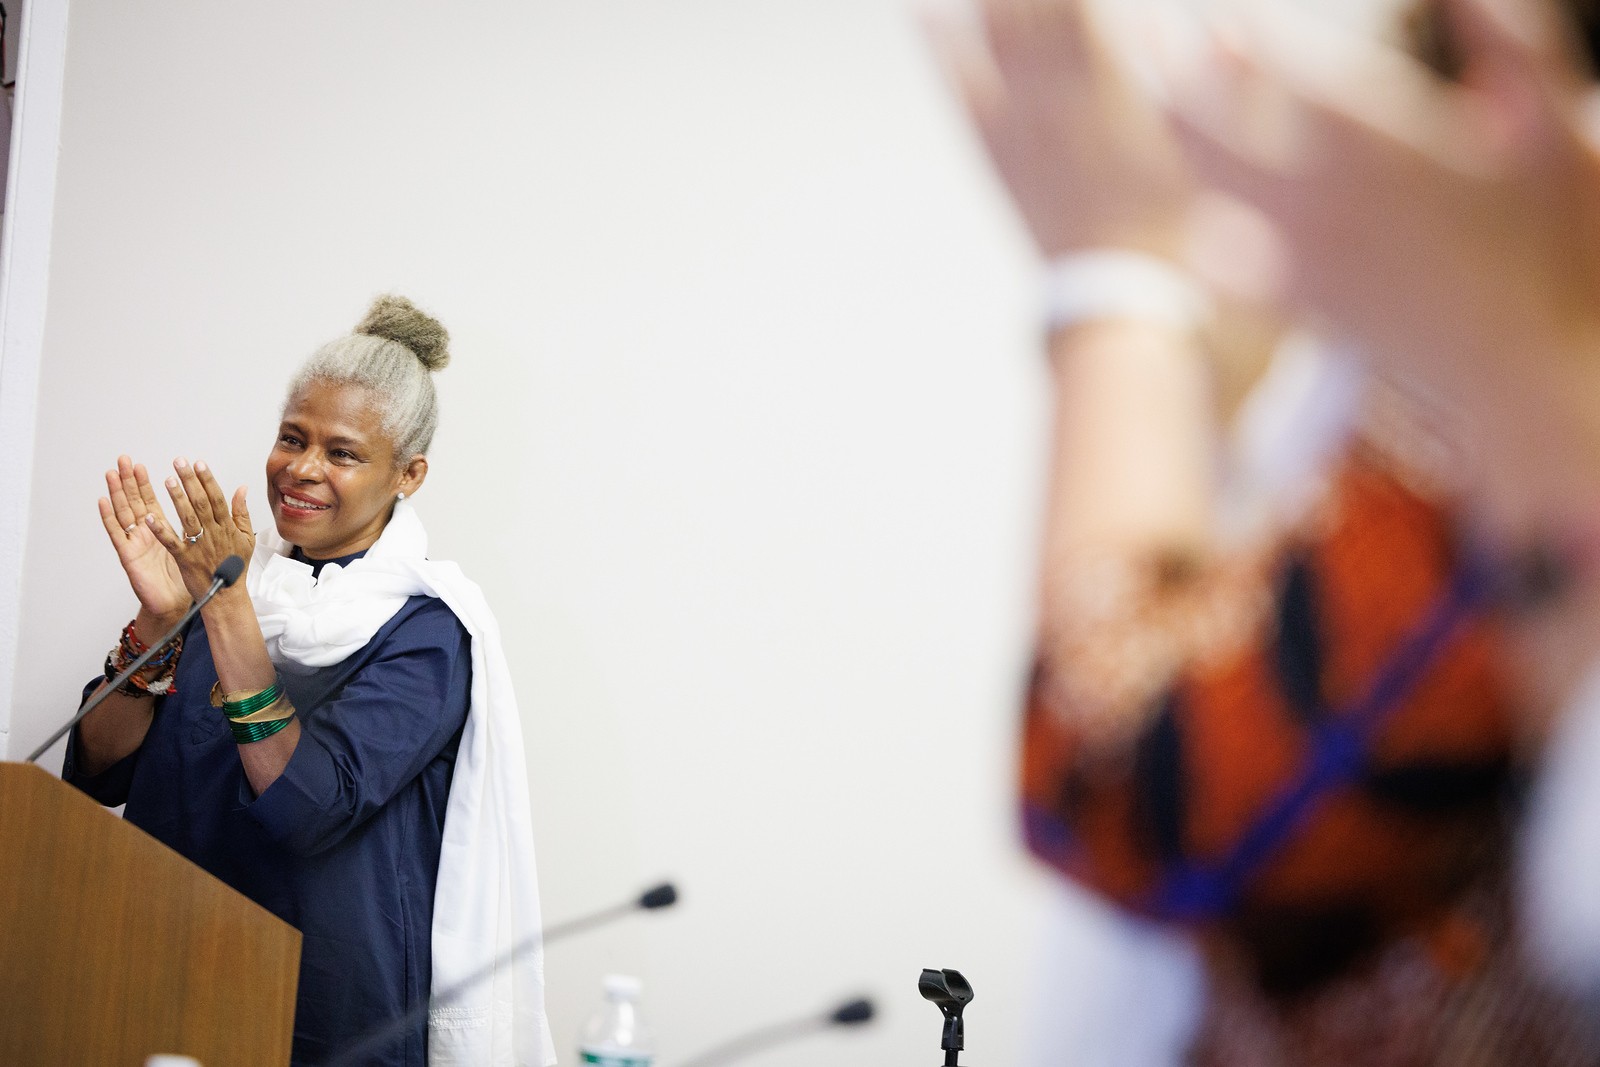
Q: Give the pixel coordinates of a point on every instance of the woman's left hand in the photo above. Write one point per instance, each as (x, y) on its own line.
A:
(211, 529)
(1086, 155)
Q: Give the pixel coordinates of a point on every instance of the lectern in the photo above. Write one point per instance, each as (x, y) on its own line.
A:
(113, 947)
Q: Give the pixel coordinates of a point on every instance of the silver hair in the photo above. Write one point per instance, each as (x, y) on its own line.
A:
(392, 354)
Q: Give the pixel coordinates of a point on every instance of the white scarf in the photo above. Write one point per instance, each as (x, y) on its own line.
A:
(487, 898)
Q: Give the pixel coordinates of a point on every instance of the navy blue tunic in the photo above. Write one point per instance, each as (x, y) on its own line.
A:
(344, 846)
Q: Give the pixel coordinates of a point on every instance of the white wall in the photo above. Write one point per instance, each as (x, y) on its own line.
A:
(743, 440)
(24, 291)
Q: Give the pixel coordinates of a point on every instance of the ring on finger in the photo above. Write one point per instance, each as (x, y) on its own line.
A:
(128, 529)
(192, 538)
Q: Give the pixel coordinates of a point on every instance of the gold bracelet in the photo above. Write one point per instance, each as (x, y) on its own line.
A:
(276, 707)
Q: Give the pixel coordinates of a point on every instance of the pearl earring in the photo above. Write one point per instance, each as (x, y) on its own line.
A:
(399, 496)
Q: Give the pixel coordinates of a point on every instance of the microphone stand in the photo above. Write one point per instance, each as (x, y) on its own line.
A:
(950, 992)
(849, 1013)
(661, 896)
(225, 575)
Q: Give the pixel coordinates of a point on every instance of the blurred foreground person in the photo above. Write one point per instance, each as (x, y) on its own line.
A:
(1452, 229)
(1270, 709)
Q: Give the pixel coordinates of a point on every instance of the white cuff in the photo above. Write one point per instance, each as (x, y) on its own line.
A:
(1112, 283)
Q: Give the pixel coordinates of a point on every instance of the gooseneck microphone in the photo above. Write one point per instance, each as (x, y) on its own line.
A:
(358, 1051)
(850, 1013)
(225, 575)
(662, 896)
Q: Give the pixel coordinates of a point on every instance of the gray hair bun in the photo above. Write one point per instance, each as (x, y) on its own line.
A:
(394, 318)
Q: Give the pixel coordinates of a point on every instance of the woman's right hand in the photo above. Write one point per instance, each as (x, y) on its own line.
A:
(151, 570)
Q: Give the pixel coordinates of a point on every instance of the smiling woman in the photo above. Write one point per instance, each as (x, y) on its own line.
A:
(332, 476)
(339, 741)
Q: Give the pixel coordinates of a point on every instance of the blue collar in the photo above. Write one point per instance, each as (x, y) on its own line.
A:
(316, 565)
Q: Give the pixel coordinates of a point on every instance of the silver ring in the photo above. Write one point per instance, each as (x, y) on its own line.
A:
(132, 526)
(196, 537)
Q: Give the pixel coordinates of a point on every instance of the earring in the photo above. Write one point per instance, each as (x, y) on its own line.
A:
(399, 496)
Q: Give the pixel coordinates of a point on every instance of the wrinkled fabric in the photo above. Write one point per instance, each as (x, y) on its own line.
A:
(486, 902)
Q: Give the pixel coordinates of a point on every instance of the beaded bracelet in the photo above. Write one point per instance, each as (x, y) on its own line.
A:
(130, 648)
(155, 678)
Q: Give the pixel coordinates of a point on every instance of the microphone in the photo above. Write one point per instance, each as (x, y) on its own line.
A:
(850, 1013)
(661, 896)
(225, 575)
(950, 992)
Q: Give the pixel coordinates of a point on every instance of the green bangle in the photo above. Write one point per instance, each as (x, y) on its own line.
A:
(245, 733)
(251, 704)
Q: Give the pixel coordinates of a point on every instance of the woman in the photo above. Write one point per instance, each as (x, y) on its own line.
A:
(338, 740)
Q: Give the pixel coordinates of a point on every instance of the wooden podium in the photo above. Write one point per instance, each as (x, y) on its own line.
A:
(114, 947)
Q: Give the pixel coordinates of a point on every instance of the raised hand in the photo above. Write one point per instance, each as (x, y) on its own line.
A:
(209, 530)
(1084, 153)
(152, 572)
(1452, 229)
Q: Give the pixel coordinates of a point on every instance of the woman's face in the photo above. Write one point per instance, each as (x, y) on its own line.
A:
(331, 475)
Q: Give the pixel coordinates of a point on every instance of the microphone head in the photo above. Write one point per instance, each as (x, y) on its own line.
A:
(852, 1012)
(662, 896)
(228, 571)
(947, 988)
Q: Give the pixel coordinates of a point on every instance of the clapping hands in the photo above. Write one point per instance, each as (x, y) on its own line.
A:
(1452, 229)
(168, 567)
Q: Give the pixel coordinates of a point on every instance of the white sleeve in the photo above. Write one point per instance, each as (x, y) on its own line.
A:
(1560, 868)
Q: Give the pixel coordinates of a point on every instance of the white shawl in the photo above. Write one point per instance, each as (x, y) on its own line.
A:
(487, 898)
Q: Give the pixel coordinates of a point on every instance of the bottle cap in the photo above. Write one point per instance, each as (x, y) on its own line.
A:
(622, 985)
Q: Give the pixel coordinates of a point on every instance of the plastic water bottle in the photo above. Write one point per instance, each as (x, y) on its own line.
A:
(617, 1035)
